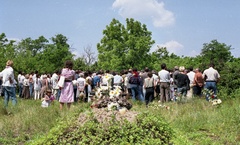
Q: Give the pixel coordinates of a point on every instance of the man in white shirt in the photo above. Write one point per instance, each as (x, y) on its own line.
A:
(8, 84)
(164, 83)
(117, 79)
(190, 75)
(211, 77)
(54, 80)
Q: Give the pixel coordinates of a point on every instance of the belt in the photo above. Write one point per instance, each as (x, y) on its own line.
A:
(210, 81)
(68, 81)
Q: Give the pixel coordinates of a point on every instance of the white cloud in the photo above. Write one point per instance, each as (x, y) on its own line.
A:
(145, 9)
(173, 47)
(17, 40)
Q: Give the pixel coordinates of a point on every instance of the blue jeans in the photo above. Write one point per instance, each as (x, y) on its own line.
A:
(31, 89)
(9, 93)
(211, 86)
(183, 91)
(20, 87)
(136, 89)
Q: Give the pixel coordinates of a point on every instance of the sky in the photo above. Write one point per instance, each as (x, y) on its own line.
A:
(182, 26)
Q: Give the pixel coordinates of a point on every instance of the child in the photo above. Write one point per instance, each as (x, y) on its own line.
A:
(48, 98)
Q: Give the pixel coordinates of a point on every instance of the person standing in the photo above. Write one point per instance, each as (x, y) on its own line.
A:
(135, 82)
(198, 83)
(164, 76)
(67, 94)
(54, 80)
(182, 81)
(26, 92)
(211, 77)
(31, 87)
(20, 84)
(37, 87)
(149, 87)
(190, 75)
(8, 84)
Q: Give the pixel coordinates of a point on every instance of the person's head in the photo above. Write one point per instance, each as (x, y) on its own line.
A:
(211, 64)
(49, 92)
(181, 68)
(176, 68)
(134, 70)
(163, 66)
(69, 64)
(190, 68)
(146, 69)
(197, 70)
(27, 76)
(20, 72)
(9, 63)
(149, 74)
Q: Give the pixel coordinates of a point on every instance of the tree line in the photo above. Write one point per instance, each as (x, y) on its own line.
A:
(121, 47)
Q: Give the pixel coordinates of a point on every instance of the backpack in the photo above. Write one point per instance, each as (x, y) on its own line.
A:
(134, 80)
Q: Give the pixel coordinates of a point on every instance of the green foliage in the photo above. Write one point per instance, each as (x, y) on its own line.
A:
(218, 53)
(148, 129)
(124, 47)
(30, 55)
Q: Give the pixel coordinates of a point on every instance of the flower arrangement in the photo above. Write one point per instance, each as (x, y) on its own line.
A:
(209, 94)
(110, 98)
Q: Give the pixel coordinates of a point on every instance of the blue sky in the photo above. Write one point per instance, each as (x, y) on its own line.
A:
(180, 25)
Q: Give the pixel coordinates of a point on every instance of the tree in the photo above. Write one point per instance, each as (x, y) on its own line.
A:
(218, 53)
(88, 56)
(122, 48)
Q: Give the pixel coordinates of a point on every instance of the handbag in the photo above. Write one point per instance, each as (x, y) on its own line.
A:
(61, 81)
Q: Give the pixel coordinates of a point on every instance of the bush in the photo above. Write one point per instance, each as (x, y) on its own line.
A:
(147, 129)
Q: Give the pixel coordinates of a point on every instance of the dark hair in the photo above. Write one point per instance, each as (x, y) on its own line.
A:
(163, 66)
(211, 64)
(69, 64)
(190, 68)
(134, 69)
(146, 69)
(149, 74)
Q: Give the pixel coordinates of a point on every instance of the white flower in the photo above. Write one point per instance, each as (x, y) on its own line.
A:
(219, 101)
(104, 88)
(111, 94)
(117, 92)
(214, 102)
(111, 105)
(123, 110)
(98, 94)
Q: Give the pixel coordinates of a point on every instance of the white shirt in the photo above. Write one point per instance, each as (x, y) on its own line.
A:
(191, 75)
(54, 80)
(81, 83)
(37, 84)
(22, 78)
(6, 74)
(211, 74)
(164, 76)
(117, 79)
(19, 78)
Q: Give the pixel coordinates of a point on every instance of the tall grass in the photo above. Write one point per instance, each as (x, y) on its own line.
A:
(201, 123)
(195, 122)
(28, 119)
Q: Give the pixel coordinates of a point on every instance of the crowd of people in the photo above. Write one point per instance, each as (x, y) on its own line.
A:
(68, 85)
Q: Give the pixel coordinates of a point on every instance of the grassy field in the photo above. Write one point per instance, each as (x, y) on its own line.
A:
(195, 122)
